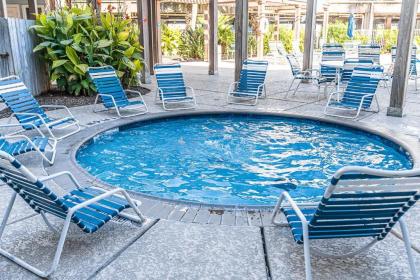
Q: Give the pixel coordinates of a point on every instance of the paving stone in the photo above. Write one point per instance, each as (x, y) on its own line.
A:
(176, 250)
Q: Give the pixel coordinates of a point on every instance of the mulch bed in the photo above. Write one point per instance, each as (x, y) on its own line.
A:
(55, 97)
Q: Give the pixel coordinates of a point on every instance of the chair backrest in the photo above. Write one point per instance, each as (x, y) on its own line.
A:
(333, 55)
(38, 196)
(253, 75)
(364, 202)
(350, 64)
(413, 63)
(107, 82)
(333, 47)
(19, 100)
(364, 80)
(372, 51)
(294, 64)
(170, 80)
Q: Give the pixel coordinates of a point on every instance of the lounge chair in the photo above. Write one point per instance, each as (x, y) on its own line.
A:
(371, 51)
(331, 54)
(251, 84)
(172, 90)
(87, 207)
(29, 113)
(350, 64)
(358, 95)
(40, 144)
(312, 75)
(360, 202)
(112, 94)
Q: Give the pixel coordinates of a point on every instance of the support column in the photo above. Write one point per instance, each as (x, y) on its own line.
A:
(309, 34)
(325, 22)
(403, 58)
(278, 27)
(213, 38)
(370, 19)
(32, 9)
(3, 9)
(388, 22)
(157, 36)
(241, 35)
(194, 13)
(296, 27)
(144, 37)
(206, 31)
(260, 34)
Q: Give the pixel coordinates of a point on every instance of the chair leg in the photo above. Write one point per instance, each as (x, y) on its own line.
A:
(297, 87)
(306, 251)
(407, 244)
(290, 88)
(7, 214)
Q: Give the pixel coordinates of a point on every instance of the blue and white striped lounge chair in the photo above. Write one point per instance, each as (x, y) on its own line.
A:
(333, 47)
(330, 73)
(172, 90)
(251, 84)
(87, 207)
(308, 75)
(414, 75)
(29, 113)
(112, 94)
(350, 64)
(360, 202)
(358, 95)
(371, 51)
(40, 144)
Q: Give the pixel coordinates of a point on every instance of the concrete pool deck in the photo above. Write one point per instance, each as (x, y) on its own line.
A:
(185, 241)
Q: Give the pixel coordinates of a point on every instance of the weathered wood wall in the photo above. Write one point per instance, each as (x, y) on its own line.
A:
(16, 56)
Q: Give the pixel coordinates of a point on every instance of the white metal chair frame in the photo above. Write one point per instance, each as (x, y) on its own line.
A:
(314, 75)
(165, 101)
(247, 96)
(63, 234)
(336, 96)
(305, 224)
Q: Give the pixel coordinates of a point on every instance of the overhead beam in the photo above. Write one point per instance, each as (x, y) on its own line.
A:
(3, 9)
(309, 34)
(241, 35)
(144, 37)
(403, 58)
(213, 38)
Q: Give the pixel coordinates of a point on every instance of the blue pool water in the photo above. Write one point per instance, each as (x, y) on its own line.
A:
(233, 159)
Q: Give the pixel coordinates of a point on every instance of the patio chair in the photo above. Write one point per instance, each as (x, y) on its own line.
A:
(330, 73)
(358, 95)
(332, 47)
(89, 208)
(40, 144)
(350, 64)
(371, 51)
(312, 75)
(29, 113)
(359, 202)
(171, 90)
(251, 84)
(113, 95)
(414, 76)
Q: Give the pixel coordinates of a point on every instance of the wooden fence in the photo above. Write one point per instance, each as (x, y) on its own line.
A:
(17, 57)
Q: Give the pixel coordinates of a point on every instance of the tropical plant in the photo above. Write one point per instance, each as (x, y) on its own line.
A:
(337, 33)
(387, 38)
(268, 36)
(226, 36)
(286, 37)
(170, 39)
(191, 45)
(73, 39)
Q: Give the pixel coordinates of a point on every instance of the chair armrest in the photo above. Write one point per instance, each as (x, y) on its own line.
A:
(191, 89)
(231, 85)
(59, 106)
(295, 207)
(60, 174)
(132, 91)
(92, 200)
(20, 125)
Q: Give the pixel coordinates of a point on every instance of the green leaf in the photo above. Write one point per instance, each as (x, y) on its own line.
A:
(127, 62)
(85, 84)
(58, 63)
(72, 55)
(129, 52)
(66, 42)
(42, 46)
(77, 38)
(103, 43)
(83, 68)
(123, 36)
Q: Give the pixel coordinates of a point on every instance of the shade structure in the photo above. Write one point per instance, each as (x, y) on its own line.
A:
(350, 27)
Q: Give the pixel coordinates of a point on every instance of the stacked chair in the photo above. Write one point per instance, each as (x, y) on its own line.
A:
(371, 51)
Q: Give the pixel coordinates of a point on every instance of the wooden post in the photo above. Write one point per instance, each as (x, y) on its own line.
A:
(309, 34)
(32, 9)
(296, 27)
(150, 26)
(325, 22)
(156, 35)
(144, 37)
(241, 35)
(260, 34)
(213, 55)
(3, 9)
(403, 57)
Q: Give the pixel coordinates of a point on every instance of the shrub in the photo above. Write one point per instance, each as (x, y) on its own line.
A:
(387, 38)
(286, 37)
(337, 33)
(226, 35)
(170, 38)
(191, 43)
(74, 39)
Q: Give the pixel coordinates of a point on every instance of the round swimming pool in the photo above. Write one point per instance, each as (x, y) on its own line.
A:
(233, 159)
